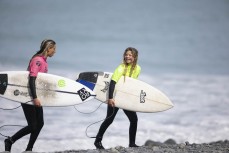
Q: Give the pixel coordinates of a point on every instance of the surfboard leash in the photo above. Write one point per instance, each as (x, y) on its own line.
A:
(91, 113)
(9, 125)
(10, 108)
(87, 112)
(96, 123)
(15, 107)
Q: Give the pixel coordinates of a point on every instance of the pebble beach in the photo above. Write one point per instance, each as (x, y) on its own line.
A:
(169, 146)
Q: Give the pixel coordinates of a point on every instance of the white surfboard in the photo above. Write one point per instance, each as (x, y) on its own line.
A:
(130, 94)
(52, 90)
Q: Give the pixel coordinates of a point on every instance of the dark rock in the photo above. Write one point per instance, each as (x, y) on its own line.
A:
(187, 143)
(170, 142)
(151, 143)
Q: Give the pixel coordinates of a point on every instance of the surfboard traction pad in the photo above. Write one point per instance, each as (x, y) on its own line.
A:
(3, 83)
(89, 76)
(89, 79)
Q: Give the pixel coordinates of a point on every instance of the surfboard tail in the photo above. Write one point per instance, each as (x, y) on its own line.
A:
(88, 79)
(3, 83)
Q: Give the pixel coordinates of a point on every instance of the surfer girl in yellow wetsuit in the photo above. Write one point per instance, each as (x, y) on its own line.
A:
(129, 68)
(34, 113)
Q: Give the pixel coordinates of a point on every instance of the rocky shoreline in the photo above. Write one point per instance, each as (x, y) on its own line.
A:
(169, 146)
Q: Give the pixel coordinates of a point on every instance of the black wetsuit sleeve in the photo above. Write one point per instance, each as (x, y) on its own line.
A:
(111, 89)
(32, 86)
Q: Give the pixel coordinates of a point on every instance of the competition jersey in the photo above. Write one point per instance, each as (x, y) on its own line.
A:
(38, 64)
(119, 72)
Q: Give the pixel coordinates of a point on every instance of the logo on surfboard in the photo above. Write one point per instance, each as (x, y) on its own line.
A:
(61, 83)
(17, 93)
(106, 75)
(106, 86)
(142, 96)
(83, 93)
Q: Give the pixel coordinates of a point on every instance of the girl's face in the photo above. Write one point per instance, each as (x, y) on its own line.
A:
(129, 58)
(51, 51)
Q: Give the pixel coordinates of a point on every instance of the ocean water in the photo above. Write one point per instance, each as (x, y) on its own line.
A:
(183, 51)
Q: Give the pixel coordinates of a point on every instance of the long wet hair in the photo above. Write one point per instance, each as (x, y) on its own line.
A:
(134, 52)
(45, 45)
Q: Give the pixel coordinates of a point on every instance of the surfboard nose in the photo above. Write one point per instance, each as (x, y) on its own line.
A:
(171, 104)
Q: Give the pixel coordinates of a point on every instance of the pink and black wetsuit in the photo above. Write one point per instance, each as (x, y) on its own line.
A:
(37, 64)
(33, 114)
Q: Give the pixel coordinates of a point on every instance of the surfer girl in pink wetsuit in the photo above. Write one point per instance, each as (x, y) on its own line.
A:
(129, 68)
(34, 113)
